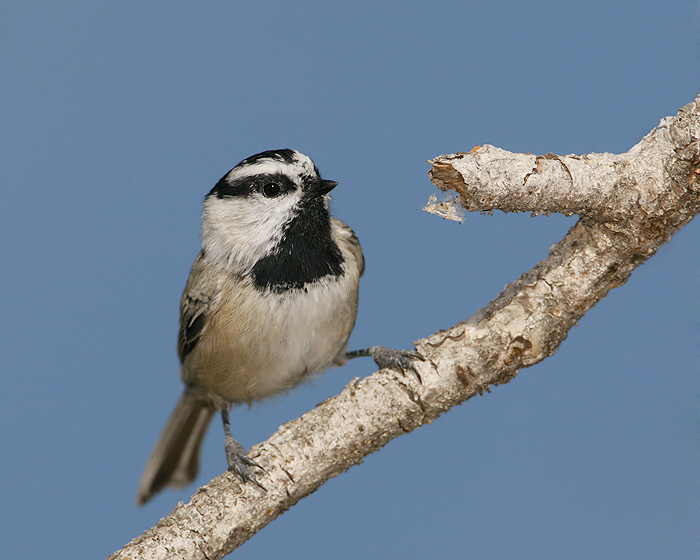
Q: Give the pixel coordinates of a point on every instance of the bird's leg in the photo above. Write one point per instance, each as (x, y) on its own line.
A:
(238, 461)
(401, 360)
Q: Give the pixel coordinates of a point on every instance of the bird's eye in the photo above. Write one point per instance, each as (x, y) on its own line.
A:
(271, 190)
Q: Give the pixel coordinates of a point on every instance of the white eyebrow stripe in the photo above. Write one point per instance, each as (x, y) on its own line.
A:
(264, 167)
(301, 166)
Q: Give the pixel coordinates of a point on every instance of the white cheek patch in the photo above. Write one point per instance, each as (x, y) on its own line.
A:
(242, 230)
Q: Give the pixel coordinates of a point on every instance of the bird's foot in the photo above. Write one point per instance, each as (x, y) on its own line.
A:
(401, 360)
(238, 462)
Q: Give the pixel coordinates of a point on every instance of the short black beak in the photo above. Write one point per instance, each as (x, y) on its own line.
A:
(324, 187)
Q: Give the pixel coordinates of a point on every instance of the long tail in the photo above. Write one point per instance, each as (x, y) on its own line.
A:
(175, 458)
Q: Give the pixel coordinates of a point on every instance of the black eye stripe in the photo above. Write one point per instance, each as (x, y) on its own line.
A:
(246, 186)
(282, 184)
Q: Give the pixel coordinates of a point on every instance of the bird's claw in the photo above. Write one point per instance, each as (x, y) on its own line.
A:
(401, 360)
(238, 463)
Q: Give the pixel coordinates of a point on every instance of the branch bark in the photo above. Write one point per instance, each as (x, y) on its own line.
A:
(629, 205)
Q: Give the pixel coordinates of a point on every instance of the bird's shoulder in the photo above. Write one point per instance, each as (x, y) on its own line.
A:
(346, 239)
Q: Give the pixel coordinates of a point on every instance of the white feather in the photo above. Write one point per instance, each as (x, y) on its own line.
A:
(302, 166)
(242, 230)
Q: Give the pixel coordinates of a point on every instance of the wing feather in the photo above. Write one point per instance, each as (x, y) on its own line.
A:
(200, 298)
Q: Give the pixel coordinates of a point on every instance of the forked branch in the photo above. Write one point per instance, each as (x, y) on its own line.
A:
(629, 205)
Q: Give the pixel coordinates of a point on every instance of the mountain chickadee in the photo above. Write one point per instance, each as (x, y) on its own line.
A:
(271, 299)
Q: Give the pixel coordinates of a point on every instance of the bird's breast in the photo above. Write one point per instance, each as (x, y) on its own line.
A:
(258, 343)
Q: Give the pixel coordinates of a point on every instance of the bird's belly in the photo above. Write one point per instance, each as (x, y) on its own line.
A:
(268, 342)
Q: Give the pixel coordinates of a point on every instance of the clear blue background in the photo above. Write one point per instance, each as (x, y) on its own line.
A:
(118, 117)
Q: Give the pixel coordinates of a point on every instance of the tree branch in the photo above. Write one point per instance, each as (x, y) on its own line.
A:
(629, 204)
(600, 186)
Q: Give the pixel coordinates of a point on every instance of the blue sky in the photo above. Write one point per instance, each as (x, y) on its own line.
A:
(119, 117)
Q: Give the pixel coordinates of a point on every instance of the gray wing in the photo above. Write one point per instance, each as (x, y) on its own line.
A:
(200, 298)
(348, 238)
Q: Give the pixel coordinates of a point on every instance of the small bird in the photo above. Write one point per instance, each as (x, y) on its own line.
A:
(271, 299)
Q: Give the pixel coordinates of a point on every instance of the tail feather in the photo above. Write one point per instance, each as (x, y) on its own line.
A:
(175, 458)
